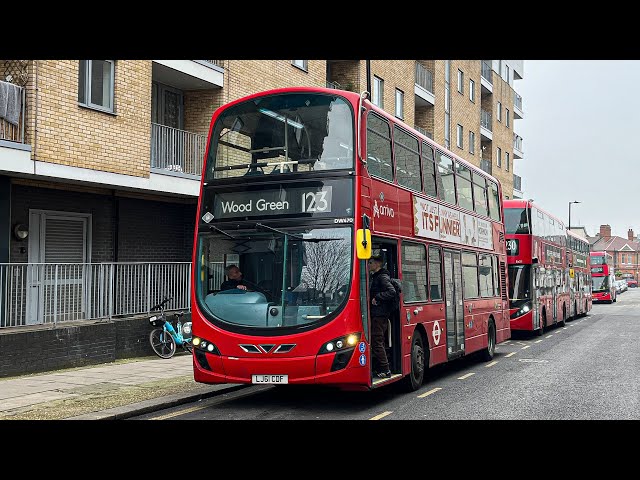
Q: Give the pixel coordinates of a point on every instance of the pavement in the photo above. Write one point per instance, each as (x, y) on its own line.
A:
(111, 391)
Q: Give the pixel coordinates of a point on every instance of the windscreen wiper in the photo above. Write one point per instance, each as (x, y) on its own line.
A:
(260, 226)
(222, 232)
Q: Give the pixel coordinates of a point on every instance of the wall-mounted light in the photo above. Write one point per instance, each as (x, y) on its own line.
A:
(21, 231)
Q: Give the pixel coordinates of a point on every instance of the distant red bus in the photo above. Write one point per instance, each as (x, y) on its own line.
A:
(536, 243)
(578, 275)
(300, 186)
(602, 277)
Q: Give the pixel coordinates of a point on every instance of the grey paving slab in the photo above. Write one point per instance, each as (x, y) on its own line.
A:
(33, 399)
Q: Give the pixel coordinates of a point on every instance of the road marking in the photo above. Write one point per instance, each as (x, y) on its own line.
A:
(550, 335)
(510, 354)
(466, 376)
(537, 341)
(181, 412)
(571, 325)
(426, 394)
(490, 364)
(564, 328)
(526, 346)
(382, 415)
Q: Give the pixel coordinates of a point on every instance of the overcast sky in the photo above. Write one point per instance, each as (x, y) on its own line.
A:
(581, 141)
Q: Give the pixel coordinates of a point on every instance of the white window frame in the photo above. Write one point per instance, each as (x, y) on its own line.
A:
(377, 97)
(472, 142)
(460, 81)
(499, 157)
(506, 161)
(460, 136)
(472, 91)
(301, 64)
(499, 112)
(506, 117)
(399, 104)
(87, 87)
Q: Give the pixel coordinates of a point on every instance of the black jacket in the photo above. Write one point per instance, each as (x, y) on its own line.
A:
(229, 284)
(381, 288)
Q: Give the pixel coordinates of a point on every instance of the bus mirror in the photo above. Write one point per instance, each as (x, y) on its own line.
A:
(363, 243)
(534, 259)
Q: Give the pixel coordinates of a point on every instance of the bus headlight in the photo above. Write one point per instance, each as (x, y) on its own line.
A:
(524, 308)
(205, 345)
(340, 344)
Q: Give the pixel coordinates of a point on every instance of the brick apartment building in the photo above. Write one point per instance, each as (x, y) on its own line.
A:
(625, 251)
(102, 163)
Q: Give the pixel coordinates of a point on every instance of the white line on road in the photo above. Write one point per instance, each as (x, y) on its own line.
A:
(510, 354)
(550, 335)
(426, 394)
(490, 364)
(466, 376)
(526, 346)
(537, 341)
(382, 415)
(564, 328)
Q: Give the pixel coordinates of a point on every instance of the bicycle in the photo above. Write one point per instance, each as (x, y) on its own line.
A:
(165, 337)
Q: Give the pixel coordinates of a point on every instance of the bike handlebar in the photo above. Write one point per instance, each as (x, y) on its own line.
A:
(162, 303)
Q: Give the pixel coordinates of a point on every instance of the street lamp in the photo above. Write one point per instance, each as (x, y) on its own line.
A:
(576, 201)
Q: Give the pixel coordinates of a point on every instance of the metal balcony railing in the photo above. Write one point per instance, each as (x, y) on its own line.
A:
(486, 71)
(517, 142)
(48, 293)
(517, 182)
(485, 119)
(177, 150)
(486, 165)
(217, 63)
(335, 85)
(13, 108)
(424, 77)
(517, 101)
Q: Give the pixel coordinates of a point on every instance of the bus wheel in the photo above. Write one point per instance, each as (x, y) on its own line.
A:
(543, 323)
(414, 379)
(563, 322)
(487, 353)
(576, 310)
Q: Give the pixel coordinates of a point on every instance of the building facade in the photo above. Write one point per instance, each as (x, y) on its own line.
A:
(100, 161)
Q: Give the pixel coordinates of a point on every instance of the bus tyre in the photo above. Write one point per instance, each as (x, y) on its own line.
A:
(543, 323)
(563, 322)
(576, 310)
(414, 379)
(487, 353)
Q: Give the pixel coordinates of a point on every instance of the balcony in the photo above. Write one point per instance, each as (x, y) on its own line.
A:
(335, 85)
(176, 152)
(517, 106)
(189, 74)
(15, 155)
(517, 186)
(485, 164)
(424, 87)
(517, 146)
(486, 78)
(485, 125)
(424, 132)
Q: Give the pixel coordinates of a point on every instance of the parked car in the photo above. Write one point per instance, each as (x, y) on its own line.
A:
(631, 283)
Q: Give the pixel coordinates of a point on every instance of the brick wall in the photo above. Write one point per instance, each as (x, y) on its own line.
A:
(70, 134)
(397, 74)
(464, 112)
(502, 135)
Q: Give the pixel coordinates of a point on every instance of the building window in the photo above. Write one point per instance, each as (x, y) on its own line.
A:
(472, 143)
(459, 141)
(95, 84)
(506, 118)
(499, 157)
(378, 90)
(506, 161)
(399, 104)
(472, 91)
(506, 73)
(460, 81)
(499, 112)
(301, 64)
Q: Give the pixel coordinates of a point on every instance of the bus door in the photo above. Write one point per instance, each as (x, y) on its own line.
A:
(535, 296)
(389, 251)
(554, 294)
(454, 303)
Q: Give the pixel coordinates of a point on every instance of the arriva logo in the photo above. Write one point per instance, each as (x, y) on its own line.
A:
(382, 210)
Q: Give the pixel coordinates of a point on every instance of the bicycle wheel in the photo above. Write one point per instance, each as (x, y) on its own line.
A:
(162, 343)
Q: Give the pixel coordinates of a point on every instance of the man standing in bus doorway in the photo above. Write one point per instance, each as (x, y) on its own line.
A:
(381, 293)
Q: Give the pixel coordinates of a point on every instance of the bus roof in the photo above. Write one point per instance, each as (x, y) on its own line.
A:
(520, 203)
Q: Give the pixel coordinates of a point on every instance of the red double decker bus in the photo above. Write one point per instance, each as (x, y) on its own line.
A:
(300, 186)
(578, 275)
(538, 290)
(603, 277)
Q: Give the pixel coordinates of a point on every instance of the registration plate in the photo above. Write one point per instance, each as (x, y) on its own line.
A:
(278, 379)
